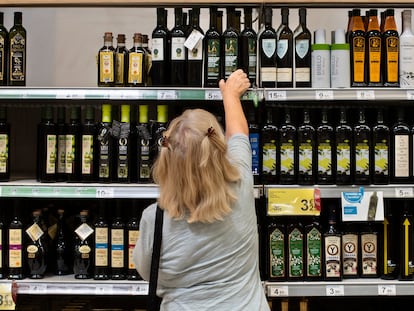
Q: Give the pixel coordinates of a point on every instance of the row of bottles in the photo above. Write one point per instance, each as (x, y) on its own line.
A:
(95, 242)
(327, 152)
(119, 148)
(13, 55)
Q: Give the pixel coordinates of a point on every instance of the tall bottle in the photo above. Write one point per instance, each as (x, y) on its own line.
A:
(287, 151)
(47, 147)
(303, 39)
(406, 243)
(17, 52)
(373, 39)
(102, 236)
(306, 142)
(148, 60)
(4, 48)
(212, 52)
(391, 50)
(401, 166)
(160, 41)
(106, 146)
(313, 250)
(391, 262)
(231, 45)
(325, 150)
(381, 151)
(269, 160)
(132, 228)
(121, 61)
(362, 151)
(178, 55)
(350, 251)
(106, 62)
(3, 247)
(248, 47)
(284, 55)
(277, 257)
(195, 55)
(296, 268)
(61, 144)
(356, 39)
(332, 247)
(267, 52)
(136, 72)
(118, 238)
(157, 131)
(83, 248)
(36, 248)
(369, 251)
(254, 138)
(406, 48)
(73, 146)
(15, 245)
(123, 145)
(63, 246)
(88, 146)
(343, 146)
(4, 145)
(143, 146)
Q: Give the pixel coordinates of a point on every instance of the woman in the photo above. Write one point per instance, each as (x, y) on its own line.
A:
(209, 251)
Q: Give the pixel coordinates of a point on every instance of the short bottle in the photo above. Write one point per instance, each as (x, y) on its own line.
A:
(121, 61)
(350, 251)
(83, 248)
(332, 247)
(136, 70)
(106, 62)
(369, 237)
(17, 56)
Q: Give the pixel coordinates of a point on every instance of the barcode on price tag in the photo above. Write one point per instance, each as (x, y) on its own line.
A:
(104, 193)
(387, 290)
(6, 301)
(335, 290)
(404, 192)
(278, 291)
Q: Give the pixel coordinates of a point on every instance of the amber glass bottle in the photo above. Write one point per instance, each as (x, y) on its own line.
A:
(356, 38)
(106, 62)
(373, 50)
(391, 50)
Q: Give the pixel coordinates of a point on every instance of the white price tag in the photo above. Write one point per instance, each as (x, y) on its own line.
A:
(335, 290)
(38, 289)
(324, 95)
(103, 290)
(193, 39)
(365, 94)
(410, 95)
(140, 289)
(276, 95)
(167, 95)
(104, 193)
(69, 94)
(212, 95)
(387, 290)
(278, 291)
(403, 192)
(7, 302)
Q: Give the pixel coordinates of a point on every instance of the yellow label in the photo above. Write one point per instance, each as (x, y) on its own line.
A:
(374, 59)
(359, 59)
(135, 68)
(4, 152)
(133, 236)
(87, 154)
(392, 59)
(51, 154)
(6, 300)
(282, 201)
(15, 248)
(106, 67)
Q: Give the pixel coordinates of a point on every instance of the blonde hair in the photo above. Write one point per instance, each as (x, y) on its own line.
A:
(193, 170)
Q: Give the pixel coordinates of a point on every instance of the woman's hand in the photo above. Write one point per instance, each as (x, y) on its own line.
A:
(235, 85)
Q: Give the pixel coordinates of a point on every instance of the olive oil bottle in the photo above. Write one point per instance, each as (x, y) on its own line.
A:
(288, 151)
(17, 52)
(106, 62)
(391, 43)
(306, 141)
(295, 235)
(277, 256)
(332, 239)
(313, 250)
(381, 151)
(362, 150)
(344, 153)
(374, 50)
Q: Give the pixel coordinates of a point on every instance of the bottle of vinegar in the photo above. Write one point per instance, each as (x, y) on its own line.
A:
(267, 52)
(106, 62)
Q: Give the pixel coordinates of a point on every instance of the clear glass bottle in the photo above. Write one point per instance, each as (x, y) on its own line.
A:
(406, 61)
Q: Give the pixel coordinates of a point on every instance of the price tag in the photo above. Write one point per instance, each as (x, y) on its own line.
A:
(335, 290)
(365, 94)
(290, 201)
(276, 95)
(104, 193)
(278, 291)
(387, 290)
(167, 95)
(324, 95)
(212, 95)
(140, 289)
(6, 300)
(404, 192)
(193, 39)
(410, 95)
(70, 94)
(103, 290)
(38, 289)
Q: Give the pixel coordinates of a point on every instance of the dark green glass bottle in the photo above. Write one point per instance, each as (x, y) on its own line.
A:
(306, 151)
(89, 146)
(4, 49)
(73, 145)
(17, 52)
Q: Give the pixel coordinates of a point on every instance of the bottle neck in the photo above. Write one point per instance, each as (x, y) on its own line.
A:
(269, 117)
(302, 18)
(342, 118)
(390, 21)
(248, 20)
(306, 117)
(380, 117)
(373, 23)
(178, 17)
(361, 117)
(213, 19)
(268, 17)
(406, 25)
(324, 117)
(160, 17)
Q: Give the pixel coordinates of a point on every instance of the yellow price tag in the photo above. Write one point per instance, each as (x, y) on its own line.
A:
(6, 300)
(285, 202)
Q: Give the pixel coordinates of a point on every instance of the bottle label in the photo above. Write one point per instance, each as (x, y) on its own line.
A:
(333, 256)
(374, 45)
(269, 47)
(302, 48)
(343, 159)
(314, 253)
(287, 158)
(70, 154)
(61, 159)
(31, 251)
(196, 53)
(268, 74)
(284, 74)
(362, 158)
(144, 158)
(302, 74)
(392, 51)
(34, 232)
(117, 248)
(325, 158)
(369, 254)
(407, 61)
(213, 59)
(84, 231)
(50, 154)
(106, 67)
(133, 236)
(282, 47)
(17, 58)
(305, 158)
(277, 254)
(296, 253)
(104, 160)
(2, 59)
(123, 157)
(269, 158)
(177, 49)
(231, 53)
(120, 68)
(401, 156)
(1, 248)
(87, 154)
(358, 50)
(254, 142)
(381, 158)
(136, 67)
(15, 248)
(101, 247)
(252, 58)
(157, 49)
(4, 152)
(350, 254)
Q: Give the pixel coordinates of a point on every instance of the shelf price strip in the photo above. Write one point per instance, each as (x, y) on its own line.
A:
(404, 192)
(6, 301)
(335, 290)
(293, 201)
(324, 95)
(365, 95)
(278, 291)
(387, 290)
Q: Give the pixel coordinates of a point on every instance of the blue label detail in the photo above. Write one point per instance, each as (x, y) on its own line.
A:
(117, 247)
(254, 143)
(101, 245)
(354, 197)
(350, 210)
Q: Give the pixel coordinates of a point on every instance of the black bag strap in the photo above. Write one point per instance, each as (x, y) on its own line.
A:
(155, 260)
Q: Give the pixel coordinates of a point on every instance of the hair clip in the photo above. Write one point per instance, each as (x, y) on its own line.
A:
(210, 131)
(164, 141)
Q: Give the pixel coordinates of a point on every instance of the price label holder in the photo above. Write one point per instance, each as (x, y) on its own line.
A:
(365, 95)
(167, 95)
(410, 95)
(293, 201)
(70, 94)
(406, 192)
(104, 289)
(6, 300)
(387, 290)
(276, 95)
(139, 289)
(362, 205)
(212, 95)
(278, 291)
(324, 95)
(104, 193)
(335, 290)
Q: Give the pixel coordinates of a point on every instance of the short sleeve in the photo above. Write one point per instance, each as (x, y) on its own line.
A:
(240, 152)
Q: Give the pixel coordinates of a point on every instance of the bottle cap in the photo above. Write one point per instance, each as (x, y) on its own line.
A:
(106, 113)
(143, 113)
(3, 113)
(61, 114)
(108, 36)
(89, 113)
(320, 36)
(121, 38)
(137, 37)
(18, 17)
(338, 36)
(162, 113)
(125, 113)
(74, 113)
(47, 113)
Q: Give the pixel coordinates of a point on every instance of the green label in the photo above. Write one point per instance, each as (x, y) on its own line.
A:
(231, 56)
(4, 152)
(277, 254)
(314, 252)
(213, 58)
(296, 253)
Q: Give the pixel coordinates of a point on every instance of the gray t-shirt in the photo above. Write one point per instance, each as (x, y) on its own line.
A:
(209, 266)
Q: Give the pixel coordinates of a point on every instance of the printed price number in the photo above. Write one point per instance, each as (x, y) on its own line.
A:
(140, 289)
(104, 193)
(278, 291)
(66, 94)
(335, 290)
(167, 95)
(276, 95)
(387, 290)
(410, 95)
(324, 95)
(404, 192)
(6, 299)
(293, 202)
(365, 95)
(212, 95)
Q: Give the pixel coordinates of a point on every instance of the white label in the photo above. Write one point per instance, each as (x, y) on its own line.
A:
(269, 47)
(387, 290)
(401, 156)
(278, 291)
(104, 193)
(193, 41)
(284, 74)
(335, 290)
(406, 60)
(302, 48)
(34, 232)
(282, 47)
(212, 95)
(83, 231)
(166, 95)
(276, 95)
(404, 192)
(177, 49)
(157, 49)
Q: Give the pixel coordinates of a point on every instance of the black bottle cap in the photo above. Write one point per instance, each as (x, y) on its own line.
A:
(3, 113)
(61, 114)
(89, 113)
(74, 113)
(18, 17)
